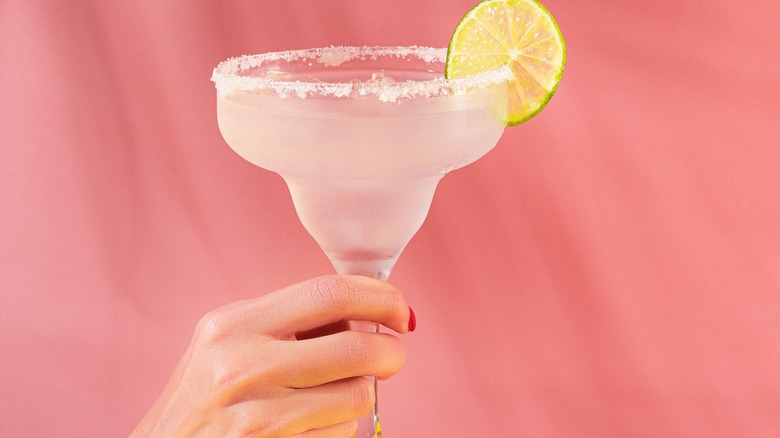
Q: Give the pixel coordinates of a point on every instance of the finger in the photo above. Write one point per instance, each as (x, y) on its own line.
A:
(341, 430)
(342, 355)
(276, 367)
(310, 409)
(332, 403)
(325, 300)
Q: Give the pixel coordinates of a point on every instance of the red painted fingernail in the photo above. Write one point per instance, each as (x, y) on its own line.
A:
(412, 320)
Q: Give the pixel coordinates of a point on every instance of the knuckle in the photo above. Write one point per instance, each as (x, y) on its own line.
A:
(350, 428)
(249, 421)
(212, 327)
(212, 333)
(394, 301)
(234, 380)
(354, 352)
(334, 293)
(224, 379)
(362, 395)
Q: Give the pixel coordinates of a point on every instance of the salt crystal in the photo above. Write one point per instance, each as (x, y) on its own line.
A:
(230, 77)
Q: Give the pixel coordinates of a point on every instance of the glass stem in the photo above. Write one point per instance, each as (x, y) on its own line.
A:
(368, 425)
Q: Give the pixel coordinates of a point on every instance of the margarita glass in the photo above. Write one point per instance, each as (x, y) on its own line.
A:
(362, 136)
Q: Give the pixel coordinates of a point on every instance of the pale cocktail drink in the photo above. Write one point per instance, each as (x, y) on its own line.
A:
(362, 168)
(362, 136)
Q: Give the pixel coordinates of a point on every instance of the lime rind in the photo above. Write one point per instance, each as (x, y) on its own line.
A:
(503, 42)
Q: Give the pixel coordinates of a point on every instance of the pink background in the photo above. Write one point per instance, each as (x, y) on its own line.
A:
(612, 269)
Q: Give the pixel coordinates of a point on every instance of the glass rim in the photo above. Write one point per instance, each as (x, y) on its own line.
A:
(228, 79)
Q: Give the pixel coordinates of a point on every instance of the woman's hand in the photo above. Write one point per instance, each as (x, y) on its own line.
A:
(284, 364)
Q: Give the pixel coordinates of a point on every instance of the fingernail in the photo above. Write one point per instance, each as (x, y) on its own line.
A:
(412, 320)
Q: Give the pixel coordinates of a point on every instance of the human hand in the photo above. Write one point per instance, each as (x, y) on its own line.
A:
(285, 364)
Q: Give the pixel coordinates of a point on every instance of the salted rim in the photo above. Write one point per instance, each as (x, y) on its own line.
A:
(227, 79)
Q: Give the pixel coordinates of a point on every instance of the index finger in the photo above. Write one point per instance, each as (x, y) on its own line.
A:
(325, 300)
